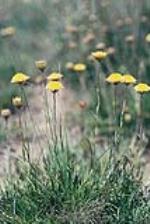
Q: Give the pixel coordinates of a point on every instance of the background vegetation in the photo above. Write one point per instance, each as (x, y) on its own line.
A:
(89, 181)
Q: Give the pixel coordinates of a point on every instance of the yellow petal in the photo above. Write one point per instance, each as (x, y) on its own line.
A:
(5, 113)
(19, 78)
(41, 64)
(142, 88)
(128, 79)
(114, 78)
(99, 55)
(55, 76)
(17, 101)
(79, 67)
(54, 86)
(147, 38)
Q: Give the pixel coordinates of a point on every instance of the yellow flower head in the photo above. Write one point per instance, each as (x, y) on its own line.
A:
(8, 31)
(79, 67)
(127, 117)
(20, 78)
(101, 46)
(99, 55)
(17, 102)
(114, 78)
(142, 88)
(5, 113)
(54, 86)
(130, 38)
(69, 65)
(128, 79)
(55, 76)
(41, 65)
(147, 38)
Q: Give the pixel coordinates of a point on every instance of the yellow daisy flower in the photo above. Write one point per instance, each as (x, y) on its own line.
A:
(114, 78)
(20, 78)
(100, 46)
(99, 55)
(55, 76)
(54, 86)
(41, 65)
(79, 67)
(8, 31)
(17, 102)
(142, 88)
(69, 65)
(128, 79)
(5, 113)
(127, 117)
(130, 38)
(147, 38)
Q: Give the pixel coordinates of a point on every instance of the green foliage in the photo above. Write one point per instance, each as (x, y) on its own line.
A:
(66, 190)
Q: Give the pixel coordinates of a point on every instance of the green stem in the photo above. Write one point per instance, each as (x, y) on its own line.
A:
(115, 115)
(124, 103)
(55, 116)
(21, 132)
(141, 117)
(36, 130)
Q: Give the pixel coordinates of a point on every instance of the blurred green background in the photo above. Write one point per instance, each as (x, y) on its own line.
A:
(62, 31)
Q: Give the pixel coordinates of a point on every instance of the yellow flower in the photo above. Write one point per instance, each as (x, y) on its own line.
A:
(5, 113)
(55, 76)
(99, 55)
(54, 86)
(101, 46)
(130, 38)
(128, 79)
(8, 31)
(147, 38)
(142, 88)
(79, 67)
(41, 65)
(17, 102)
(114, 78)
(127, 117)
(20, 78)
(69, 65)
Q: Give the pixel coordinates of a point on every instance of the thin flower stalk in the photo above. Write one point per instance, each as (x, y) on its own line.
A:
(54, 85)
(115, 117)
(140, 125)
(35, 127)
(55, 115)
(124, 103)
(21, 133)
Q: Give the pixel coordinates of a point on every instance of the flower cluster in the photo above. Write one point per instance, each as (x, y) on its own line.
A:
(127, 79)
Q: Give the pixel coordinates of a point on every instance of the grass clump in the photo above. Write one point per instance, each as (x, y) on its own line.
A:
(68, 191)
